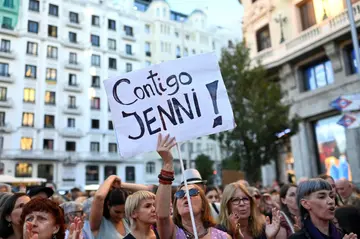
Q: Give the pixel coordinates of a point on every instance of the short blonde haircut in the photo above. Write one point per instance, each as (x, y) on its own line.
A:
(256, 221)
(133, 202)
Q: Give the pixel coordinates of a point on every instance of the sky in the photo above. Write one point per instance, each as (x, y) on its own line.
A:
(226, 13)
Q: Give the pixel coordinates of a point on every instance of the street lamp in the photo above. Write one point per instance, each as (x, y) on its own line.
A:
(281, 20)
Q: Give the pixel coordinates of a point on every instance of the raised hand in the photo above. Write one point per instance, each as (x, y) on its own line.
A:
(350, 236)
(164, 145)
(272, 229)
(235, 225)
(27, 231)
(76, 229)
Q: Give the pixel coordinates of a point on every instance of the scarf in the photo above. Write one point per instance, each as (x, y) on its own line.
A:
(316, 234)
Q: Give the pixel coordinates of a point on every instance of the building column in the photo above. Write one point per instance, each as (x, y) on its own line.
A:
(353, 153)
(332, 52)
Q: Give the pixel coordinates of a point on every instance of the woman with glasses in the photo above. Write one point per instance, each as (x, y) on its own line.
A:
(316, 202)
(289, 210)
(240, 218)
(255, 193)
(179, 226)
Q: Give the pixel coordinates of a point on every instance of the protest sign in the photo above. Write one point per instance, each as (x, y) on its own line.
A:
(185, 98)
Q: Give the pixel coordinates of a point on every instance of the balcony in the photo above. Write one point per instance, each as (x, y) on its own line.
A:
(72, 110)
(312, 37)
(7, 103)
(7, 53)
(74, 24)
(6, 77)
(131, 56)
(6, 128)
(129, 37)
(8, 30)
(73, 66)
(148, 54)
(73, 88)
(75, 45)
(71, 132)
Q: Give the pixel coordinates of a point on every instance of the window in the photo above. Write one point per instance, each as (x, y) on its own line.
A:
(112, 63)
(318, 75)
(34, 5)
(95, 103)
(112, 44)
(52, 31)
(110, 125)
(3, 93)
(158, 12)
(46, 171)
(23, 170)
(95, 124)
(73, 58)
(74, 17)
(49, 121)
(30, 71)
(128, 67)
(53, 10)
(71, 123)
(7, 23)
(193, 52)
(95, 40)
(112, 148)
(147, 63)
(5, 45)
(2, 165)
(94, 147)
(72, 102)
(48, 144)
(186, 52)
(112, 24)
(128, 49)
(2, 118)
(28, 119)
(95, 20)
(147, 49)
(4, 69)
(307, 14)
(50, 97)
(178, 54)
(130, 174)
(26, 143)
(51, 74)
(177, 34)
(70, 146)
(92, 174)
(150, 167)
(29, 95)
(128, 31)
(95, 81)
(72, 80)
(72, 37)
(351, 61)
(95, 60)
(33, 27)
(263, 39)
(108, 171)
(147, 29)
(52, 52)
(32, 48)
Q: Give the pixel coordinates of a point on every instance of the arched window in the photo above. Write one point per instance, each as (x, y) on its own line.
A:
(150, 167)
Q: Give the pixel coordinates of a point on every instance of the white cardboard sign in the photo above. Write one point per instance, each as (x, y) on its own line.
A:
(185, 98)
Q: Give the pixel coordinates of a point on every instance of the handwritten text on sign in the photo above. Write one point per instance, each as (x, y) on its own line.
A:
(185, 98)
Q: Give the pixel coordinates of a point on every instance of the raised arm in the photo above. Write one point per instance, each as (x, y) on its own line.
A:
(134, 187)
(165, 223)
(98, 202)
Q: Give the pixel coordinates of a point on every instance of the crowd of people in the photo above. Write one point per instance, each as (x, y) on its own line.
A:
(316, 208)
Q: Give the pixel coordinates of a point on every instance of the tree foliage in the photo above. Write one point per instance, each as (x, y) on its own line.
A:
(258, 111)
(204, 165)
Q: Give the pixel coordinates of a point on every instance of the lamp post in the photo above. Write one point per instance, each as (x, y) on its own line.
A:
(281, 20)
(354, 35)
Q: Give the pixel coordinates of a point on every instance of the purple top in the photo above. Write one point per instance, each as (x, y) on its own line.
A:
(215, 233)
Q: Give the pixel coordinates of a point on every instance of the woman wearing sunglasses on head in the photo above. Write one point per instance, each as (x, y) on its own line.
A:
(179, 226)
(240, 217)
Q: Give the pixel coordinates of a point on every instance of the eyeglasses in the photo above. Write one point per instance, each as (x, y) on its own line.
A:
(181, 193)
(257, 196)
(237, 201)
(77, 213)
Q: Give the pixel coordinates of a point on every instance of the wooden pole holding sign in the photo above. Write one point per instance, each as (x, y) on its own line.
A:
(187, 192)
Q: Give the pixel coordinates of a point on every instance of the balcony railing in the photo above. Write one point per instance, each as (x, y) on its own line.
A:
(73, 65)
(72, 110)
(7, 53)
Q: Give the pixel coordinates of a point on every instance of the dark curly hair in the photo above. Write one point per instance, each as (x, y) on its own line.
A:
(5, 230)
(48, 206)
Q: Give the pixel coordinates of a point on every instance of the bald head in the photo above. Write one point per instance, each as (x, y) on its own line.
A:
(344, 188)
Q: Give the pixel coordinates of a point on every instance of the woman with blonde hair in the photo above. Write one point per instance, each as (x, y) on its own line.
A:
(240, 217)
(140, 209)
(179, 226)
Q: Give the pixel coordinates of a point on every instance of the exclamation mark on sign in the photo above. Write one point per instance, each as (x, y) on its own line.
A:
(212, 88)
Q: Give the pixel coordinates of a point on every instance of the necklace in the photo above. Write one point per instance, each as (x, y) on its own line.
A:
(191, 236)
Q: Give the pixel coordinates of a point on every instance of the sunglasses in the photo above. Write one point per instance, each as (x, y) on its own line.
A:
(181, 193)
